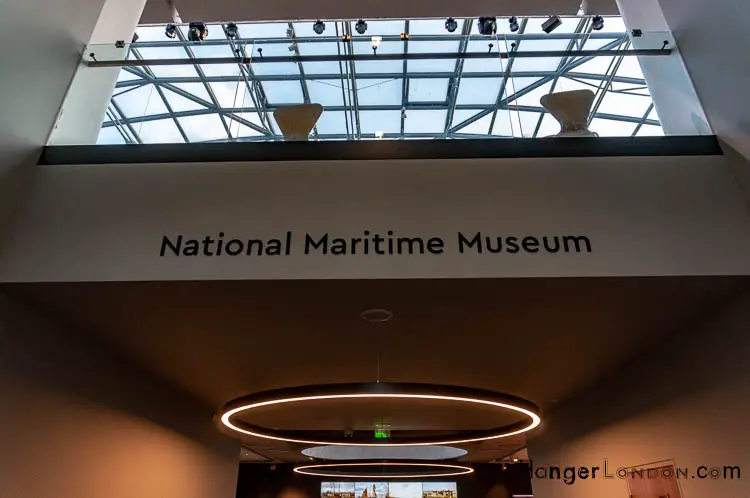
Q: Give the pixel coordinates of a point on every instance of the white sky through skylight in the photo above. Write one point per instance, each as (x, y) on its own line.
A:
(426, 98)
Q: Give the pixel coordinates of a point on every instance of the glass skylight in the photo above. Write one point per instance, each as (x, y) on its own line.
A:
(398, 99)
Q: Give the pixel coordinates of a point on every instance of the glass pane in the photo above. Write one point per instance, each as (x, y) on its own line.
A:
(274, 50)
(162, 131)
(320, 48)
(140, 102)
(211, 70)
(630, 67)
(332, 123)
(325, 92)
(478, 91)
(650, 131)
(283, 92)
(385, 121)
(432, 47)
(203, 128)
(507, 124)
(428, 89)
(379, 92)
(549, 126)
(568, 84)
(597, 65)
(532, 98)
(178, 103)
(111, 136)
(528, 121)
(127, 76)
(493, 65)
(612, 128)
(199, 90)
(231, 94)
(624, 105)
(425, 121)
(597, 43)
(479, 127)
(385, 66)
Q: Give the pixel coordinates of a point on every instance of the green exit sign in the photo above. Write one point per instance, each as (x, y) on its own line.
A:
(382, 431)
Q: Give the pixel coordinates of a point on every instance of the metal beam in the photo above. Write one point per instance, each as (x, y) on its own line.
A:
(366, 39)
(383, 76)
(201, 112)
(455, 77)
(352, 57)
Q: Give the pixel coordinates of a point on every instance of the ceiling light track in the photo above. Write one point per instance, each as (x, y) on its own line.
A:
(382, 57)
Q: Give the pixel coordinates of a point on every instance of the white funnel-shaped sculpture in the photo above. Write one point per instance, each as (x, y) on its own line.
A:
(571, 110)
(297, 121)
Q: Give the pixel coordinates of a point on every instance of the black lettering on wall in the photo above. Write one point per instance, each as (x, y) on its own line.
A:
(319, 245)
(463, 242)
(172, 246)
(410, 243)
(576, 241)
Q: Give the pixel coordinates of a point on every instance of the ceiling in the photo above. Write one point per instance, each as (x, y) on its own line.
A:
(159, 11)
(541, 339)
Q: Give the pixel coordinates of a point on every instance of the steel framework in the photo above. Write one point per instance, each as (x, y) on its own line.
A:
(256, 117)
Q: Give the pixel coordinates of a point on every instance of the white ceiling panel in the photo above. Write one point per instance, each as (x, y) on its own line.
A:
(241, 10)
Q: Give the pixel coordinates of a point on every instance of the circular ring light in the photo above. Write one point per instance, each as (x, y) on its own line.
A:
(293, 397)
(400, 470)
(384, 453)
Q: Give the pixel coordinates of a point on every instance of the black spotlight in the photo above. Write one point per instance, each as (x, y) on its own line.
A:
(513, 24)
(319, 27)
(197, 31)
(597, 23)
(231, 30)
(361, 27)
(170, 30)
(487, 25)
(451, 25)
(551, 24)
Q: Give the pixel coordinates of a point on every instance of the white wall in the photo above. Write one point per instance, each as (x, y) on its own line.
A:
(643, 216)
(40, 46)
(76, 421)
(713, 39)
(683, 400)
(91, 89)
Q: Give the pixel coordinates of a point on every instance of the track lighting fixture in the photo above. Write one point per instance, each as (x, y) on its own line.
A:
(451, 25)
(513, 24)
(487, 25)
(597, 23)
(197, 31)
(319, 27)
(551, 24)
(170, 30)
(231, 30)
(361, 27)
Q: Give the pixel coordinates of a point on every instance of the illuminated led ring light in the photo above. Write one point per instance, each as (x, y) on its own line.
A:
(349, 470)
(297, 395)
